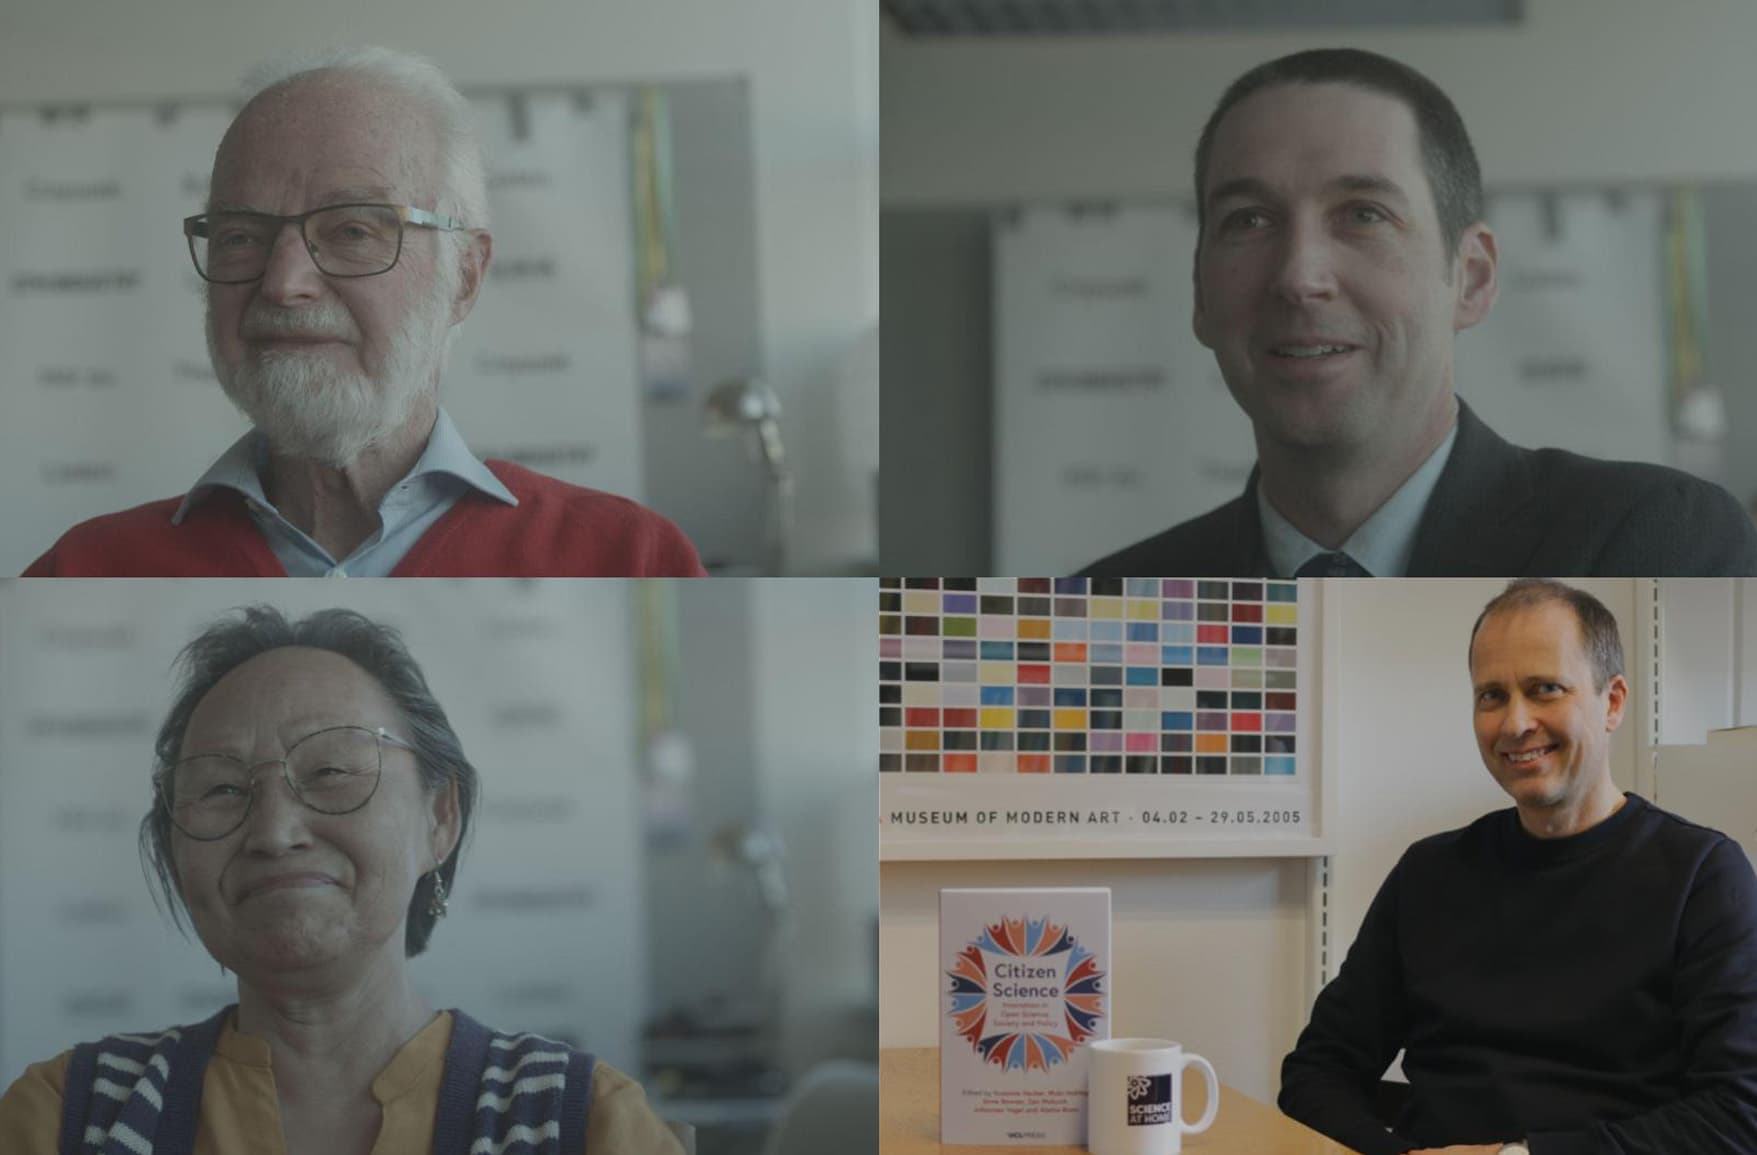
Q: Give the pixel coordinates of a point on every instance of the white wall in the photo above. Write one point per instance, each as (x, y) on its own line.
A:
(1224, 955)
(814, 657)
(1556, 98)
(811, 68)
(1708, 678)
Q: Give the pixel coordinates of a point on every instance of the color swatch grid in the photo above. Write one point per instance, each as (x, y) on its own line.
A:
(1088, 676)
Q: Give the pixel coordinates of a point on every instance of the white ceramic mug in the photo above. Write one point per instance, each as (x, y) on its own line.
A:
(1134, 1096)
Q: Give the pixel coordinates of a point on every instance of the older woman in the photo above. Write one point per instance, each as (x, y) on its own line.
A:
(309, 803)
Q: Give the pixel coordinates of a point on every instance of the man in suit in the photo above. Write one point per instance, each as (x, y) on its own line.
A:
(1571, 976)
(1341, 249)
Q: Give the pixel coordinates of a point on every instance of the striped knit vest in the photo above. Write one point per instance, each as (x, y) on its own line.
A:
(499, 1095)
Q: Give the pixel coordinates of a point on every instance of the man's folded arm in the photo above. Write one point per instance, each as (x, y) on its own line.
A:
(1357, 1027)
(1715, 999)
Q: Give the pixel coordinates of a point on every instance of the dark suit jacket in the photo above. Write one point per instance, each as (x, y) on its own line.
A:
(1502, 511)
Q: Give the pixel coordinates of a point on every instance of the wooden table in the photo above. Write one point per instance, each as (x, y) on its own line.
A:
(909, 1117)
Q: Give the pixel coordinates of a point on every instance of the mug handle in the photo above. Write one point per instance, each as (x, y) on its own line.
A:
(1213, 1082)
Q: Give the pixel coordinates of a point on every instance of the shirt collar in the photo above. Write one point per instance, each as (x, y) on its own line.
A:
(239, 468)
(1382, 544)
(407, 1070)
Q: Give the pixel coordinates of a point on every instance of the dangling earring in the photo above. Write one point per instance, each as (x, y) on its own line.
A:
(436, 905)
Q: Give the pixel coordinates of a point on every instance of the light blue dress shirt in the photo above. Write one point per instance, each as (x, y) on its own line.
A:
(1383, 542)
(445, 471)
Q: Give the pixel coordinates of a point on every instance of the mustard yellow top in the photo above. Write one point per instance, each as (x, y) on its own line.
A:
(240, 1112)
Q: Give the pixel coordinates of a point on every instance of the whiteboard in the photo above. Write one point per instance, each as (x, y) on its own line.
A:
(1111, 421)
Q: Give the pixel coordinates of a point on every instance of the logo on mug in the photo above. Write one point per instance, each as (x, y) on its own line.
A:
(1149, 1100)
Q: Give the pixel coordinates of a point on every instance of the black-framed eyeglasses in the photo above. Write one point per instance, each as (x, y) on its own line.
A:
(347, 240)
(335, 770)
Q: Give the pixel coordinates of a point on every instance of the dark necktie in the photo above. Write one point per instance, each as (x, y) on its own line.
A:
(1331, 565)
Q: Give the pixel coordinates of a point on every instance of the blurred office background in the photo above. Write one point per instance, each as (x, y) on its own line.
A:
(678, 789)
(1044, 399)
(684, 298)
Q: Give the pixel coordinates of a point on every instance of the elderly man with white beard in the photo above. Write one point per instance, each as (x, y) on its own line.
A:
(345, 238)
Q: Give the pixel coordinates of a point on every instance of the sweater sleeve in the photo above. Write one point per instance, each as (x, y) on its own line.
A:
(30, 1111)
(44, 566)
(1356, 1029)
(1715, 1000)
(671, 554)
(620, 1121)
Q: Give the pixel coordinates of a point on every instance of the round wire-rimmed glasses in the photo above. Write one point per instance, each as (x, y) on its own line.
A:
(335, 770)
(232, 246)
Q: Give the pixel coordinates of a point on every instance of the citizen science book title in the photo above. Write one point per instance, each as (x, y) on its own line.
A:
(1025, 984)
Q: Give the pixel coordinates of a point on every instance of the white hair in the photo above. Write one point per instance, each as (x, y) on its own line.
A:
(464, 191)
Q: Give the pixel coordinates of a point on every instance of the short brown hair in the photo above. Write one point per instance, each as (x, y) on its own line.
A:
(1598, 628)
(1448, 158)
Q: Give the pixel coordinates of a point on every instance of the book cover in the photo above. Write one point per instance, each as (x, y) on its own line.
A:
(1025, 984)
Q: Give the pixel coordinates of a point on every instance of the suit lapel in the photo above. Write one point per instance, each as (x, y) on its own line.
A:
(1482, 520)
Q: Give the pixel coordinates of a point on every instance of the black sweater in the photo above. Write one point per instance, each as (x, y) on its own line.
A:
(1595, 995)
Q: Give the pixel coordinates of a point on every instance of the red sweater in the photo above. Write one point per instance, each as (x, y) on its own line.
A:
(556, 530)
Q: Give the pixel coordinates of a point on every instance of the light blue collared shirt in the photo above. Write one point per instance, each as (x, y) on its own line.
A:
(445, 471)
(1383, 542)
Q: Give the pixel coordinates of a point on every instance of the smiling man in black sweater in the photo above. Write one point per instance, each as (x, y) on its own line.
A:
(1575, 976)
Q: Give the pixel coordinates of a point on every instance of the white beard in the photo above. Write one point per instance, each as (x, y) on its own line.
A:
(310, 408)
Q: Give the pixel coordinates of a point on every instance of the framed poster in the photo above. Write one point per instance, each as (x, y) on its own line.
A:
(1098, 718)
